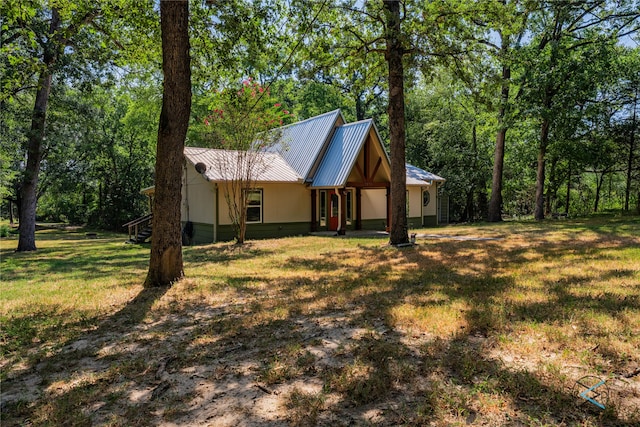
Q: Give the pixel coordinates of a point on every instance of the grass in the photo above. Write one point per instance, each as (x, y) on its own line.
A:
(495, 329)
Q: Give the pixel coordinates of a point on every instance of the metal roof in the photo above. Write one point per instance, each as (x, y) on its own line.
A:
(301, 143)
(226, 165)
(417, 176)
(341, 155)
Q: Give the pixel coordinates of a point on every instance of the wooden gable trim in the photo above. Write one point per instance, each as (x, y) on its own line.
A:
(370, 184)
(375, 169)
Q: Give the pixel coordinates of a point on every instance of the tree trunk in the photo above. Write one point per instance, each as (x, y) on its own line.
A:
(599, 182)
(165, 265)
(568, 199)
(627, 192)
(495, 203)
(540, 173)
(552, 187)
(398, 233)
(360, 107)
(29, 188)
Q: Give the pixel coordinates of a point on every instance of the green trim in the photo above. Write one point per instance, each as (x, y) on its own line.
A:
(203, 233)
(374, 224)
(430, 220)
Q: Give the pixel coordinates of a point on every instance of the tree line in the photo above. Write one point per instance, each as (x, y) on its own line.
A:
(525, 107)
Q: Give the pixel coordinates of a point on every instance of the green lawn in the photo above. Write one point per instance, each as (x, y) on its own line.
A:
(481, 324)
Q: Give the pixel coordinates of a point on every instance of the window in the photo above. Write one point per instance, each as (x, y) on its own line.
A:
(334, 205)
(254, 206)
(426, 197)
(323, 208)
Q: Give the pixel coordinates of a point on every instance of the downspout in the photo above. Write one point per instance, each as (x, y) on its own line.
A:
(186, 190)
(215, 213)
(339, 209)
(422, 212)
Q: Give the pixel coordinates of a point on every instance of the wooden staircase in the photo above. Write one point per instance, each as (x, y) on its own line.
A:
(139, 229)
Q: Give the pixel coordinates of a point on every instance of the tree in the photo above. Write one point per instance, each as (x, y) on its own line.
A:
(165, 264)
(39, 41)
(448, 132)
(567, 36)
(508, 19)
(52, 49)
(242, 126)
(395, 50)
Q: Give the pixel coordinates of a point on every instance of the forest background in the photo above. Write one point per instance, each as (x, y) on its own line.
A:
(525, 107)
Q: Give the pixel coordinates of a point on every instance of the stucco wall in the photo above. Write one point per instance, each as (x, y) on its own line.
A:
(374, 204)
(432, 208)
(281, 203)
(286, 203)
(200, 195)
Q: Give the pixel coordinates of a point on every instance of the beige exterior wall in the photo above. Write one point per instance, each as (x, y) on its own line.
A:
(286, 203)
(374, 204)
(432, 208)
(198, 197)
(281, 203)
(414, 199)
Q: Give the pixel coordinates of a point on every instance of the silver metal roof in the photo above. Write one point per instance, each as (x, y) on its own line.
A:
(341, 155)
(417, 176)
(301, 143)
(299, 149)
(227, 165)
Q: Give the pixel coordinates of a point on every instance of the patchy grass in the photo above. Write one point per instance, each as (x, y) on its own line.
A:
(489, 324)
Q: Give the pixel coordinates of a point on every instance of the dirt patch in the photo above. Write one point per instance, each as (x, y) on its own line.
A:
(314, 369)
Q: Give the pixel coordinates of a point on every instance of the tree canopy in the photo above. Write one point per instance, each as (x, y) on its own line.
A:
(525, 107)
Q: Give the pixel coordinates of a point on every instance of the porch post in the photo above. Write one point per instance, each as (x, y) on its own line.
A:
(388, 207)
(358, 208)
(314, 219)
(343, 212)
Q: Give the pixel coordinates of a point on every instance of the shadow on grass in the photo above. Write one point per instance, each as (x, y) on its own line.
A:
(68, 408)
(375, 366)
(224, 253)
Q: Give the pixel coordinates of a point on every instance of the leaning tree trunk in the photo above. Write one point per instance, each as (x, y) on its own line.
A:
(29, 188)
(599, 182)
(165, 265)
(398, 233)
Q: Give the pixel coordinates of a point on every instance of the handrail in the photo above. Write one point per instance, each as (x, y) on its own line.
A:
(133, 225)
(138, 221)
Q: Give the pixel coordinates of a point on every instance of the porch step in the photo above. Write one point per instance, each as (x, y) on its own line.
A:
(143, 235)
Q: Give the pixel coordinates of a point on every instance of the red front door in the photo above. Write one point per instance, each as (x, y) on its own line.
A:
(334, 203)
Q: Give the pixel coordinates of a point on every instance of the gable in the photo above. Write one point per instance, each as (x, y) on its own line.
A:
(342, 154)
(302, 144)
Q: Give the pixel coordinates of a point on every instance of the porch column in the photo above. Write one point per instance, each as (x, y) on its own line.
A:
(343, 212)
(388, 208)
(314, 219)
(358, 208)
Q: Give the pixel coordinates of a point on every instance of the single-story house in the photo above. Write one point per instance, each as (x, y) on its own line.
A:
(323, 174)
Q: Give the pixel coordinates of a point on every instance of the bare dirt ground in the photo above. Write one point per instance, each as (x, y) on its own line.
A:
(169, 368)
(308, 350)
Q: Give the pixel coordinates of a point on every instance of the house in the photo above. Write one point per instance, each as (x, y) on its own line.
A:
(323, 174)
